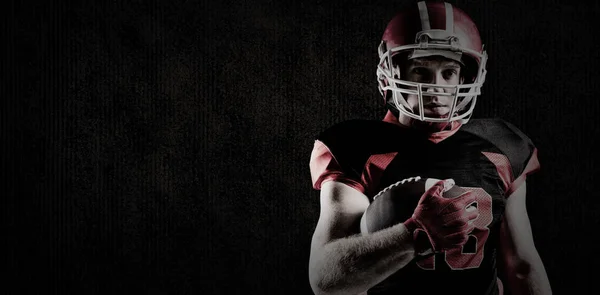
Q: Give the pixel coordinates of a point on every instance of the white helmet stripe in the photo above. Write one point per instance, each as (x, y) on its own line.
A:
(424, 16)
(449, 18)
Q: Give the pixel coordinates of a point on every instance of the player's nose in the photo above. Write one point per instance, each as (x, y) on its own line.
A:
(430, 94)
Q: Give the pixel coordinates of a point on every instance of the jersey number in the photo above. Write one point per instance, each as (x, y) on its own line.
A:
(471, 254)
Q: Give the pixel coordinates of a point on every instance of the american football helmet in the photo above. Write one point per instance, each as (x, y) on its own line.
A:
(427, 29)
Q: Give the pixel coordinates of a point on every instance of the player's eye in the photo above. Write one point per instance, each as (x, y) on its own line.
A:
(449, 73)
(421, 74)
(419, 71)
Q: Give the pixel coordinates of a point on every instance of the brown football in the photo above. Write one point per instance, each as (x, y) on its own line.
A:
(396, 203)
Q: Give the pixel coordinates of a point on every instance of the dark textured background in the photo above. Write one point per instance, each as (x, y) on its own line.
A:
(162, 147)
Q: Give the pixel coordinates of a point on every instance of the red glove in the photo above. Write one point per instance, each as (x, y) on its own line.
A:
(445, 221)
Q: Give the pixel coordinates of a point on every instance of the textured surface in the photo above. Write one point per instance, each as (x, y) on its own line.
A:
(163, 147)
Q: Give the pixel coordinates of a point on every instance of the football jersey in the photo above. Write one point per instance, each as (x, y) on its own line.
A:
(490, 157)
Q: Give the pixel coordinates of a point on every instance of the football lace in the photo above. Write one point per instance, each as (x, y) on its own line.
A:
(403, 181)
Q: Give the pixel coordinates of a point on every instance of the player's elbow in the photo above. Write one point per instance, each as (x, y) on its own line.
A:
(318, 284)
(324, 289)
(318, 280)
(528, 273)
(521, 268)
(520, 261)
(524, 263)
(318, 289)
(323, 282)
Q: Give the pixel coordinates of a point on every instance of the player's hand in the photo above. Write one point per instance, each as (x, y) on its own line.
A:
(447, 222)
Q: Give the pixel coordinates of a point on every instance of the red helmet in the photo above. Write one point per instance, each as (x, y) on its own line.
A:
(426, 29)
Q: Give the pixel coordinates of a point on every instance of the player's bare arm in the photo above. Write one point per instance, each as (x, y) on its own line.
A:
(341, 260)
(523, 267)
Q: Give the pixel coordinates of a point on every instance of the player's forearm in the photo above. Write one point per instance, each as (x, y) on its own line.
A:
(354, 264)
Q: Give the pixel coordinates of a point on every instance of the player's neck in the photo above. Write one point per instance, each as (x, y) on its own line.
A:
(436, 132)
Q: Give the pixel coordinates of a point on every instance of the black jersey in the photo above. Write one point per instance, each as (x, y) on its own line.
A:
(491, 157)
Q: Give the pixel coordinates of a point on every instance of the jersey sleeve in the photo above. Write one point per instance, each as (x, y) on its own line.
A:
(528, 159)
(324, 167)
(513, 153)
(354, 152)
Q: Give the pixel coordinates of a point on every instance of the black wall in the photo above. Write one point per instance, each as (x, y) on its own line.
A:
(163, 147)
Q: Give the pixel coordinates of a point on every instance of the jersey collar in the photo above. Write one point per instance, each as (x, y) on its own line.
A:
(435, 137)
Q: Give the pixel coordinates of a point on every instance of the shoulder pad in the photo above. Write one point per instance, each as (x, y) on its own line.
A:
(511, 141)
(352, 142)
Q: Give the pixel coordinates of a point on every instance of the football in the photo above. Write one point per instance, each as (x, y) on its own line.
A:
(397, 202)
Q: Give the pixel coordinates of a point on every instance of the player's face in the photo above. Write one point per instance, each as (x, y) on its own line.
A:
(437, 70)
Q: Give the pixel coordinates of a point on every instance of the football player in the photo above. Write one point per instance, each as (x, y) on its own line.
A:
(430, 72)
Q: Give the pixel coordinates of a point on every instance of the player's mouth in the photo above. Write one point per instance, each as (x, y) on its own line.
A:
(436, 109)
